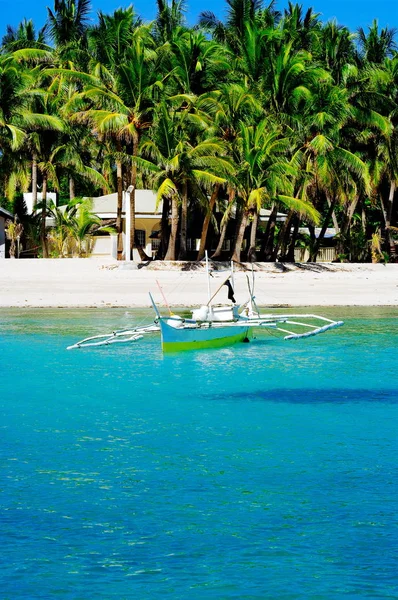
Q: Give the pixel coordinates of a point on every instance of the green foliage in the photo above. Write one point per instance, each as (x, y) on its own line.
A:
(271, 109)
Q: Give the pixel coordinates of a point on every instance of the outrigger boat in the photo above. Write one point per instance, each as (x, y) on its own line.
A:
(214, 326)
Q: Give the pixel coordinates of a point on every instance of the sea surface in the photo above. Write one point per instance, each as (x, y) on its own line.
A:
(262, 471)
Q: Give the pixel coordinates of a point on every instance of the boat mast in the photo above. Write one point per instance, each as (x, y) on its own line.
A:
(208, 279)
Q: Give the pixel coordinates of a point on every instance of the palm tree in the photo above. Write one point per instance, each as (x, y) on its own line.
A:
(60, 232)
(109, 44)
(336, 49)
(228, 107)
(121, 107)
(196, 64)
(169, 20)
(74, 227)
(67, 27)
(83, 225)
(336, 170)
(302, 29)
(180, 168)
(263, 176)
(377, 46)
(23, 37)
(13, 101)
(383, 147)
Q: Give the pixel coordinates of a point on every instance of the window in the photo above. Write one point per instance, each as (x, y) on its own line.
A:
(155, 246)
(140, 237)
(192, 244)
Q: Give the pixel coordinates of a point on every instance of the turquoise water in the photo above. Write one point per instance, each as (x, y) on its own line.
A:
(263, 471)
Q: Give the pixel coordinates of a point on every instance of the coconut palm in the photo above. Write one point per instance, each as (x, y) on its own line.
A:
(196, 64)
(263, 176)
(169, 20)
(336, 49)
(74, 225)
(121, 108)
(67, 27)
(23, 37)
(377, 45)
(228, 107)
(383, 147)
(109, 44)
(180, 168)
(60, 232)
(302, 29)
(337, 171)
(83, 225)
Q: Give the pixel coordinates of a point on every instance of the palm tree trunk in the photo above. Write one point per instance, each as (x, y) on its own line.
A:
(335, 221)
(231, 198)
(321, 235)
(171, 250)
(34, 181)
(43, 218)
(364, 253)
(132, 195)
(119, 183)
(269, 235)
(182, 255)
(290, 253)
(251, 254)
(283, 237)
(220, 244)
(389, 237)
(72, 194)
(240, 236)
(165, 228)
(391, 201)
(206, 221)
(133, 241)
(345, 226)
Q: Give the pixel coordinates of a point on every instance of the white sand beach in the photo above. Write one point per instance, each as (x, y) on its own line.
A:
(102, 283)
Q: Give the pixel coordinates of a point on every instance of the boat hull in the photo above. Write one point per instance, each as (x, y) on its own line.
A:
(178, 339)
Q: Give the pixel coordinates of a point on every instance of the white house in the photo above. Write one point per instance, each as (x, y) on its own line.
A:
(28, 199)
(147, 221)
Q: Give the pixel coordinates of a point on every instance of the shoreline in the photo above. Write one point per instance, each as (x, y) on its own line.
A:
(105, 283)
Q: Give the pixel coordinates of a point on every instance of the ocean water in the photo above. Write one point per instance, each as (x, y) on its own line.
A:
(263, 471)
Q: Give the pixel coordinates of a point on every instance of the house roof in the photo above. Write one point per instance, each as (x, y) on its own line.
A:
(329, 233)
(5, 213)
(265, 214)
(145, 204)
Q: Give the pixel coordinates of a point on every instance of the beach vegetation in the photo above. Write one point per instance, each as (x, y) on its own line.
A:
(267, 110)
(72, 229)
(14, 231)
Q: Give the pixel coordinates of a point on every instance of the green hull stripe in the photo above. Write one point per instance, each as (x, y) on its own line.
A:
(199, 345)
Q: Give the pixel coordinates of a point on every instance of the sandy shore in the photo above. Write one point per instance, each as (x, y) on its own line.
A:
(101, 283)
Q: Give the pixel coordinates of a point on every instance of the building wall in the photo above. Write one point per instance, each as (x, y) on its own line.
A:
(2, 238)
(147, 225)
(324, 255)
(107, 245)
(28, 198)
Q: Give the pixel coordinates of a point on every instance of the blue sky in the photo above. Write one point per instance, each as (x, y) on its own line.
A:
(353, 13)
